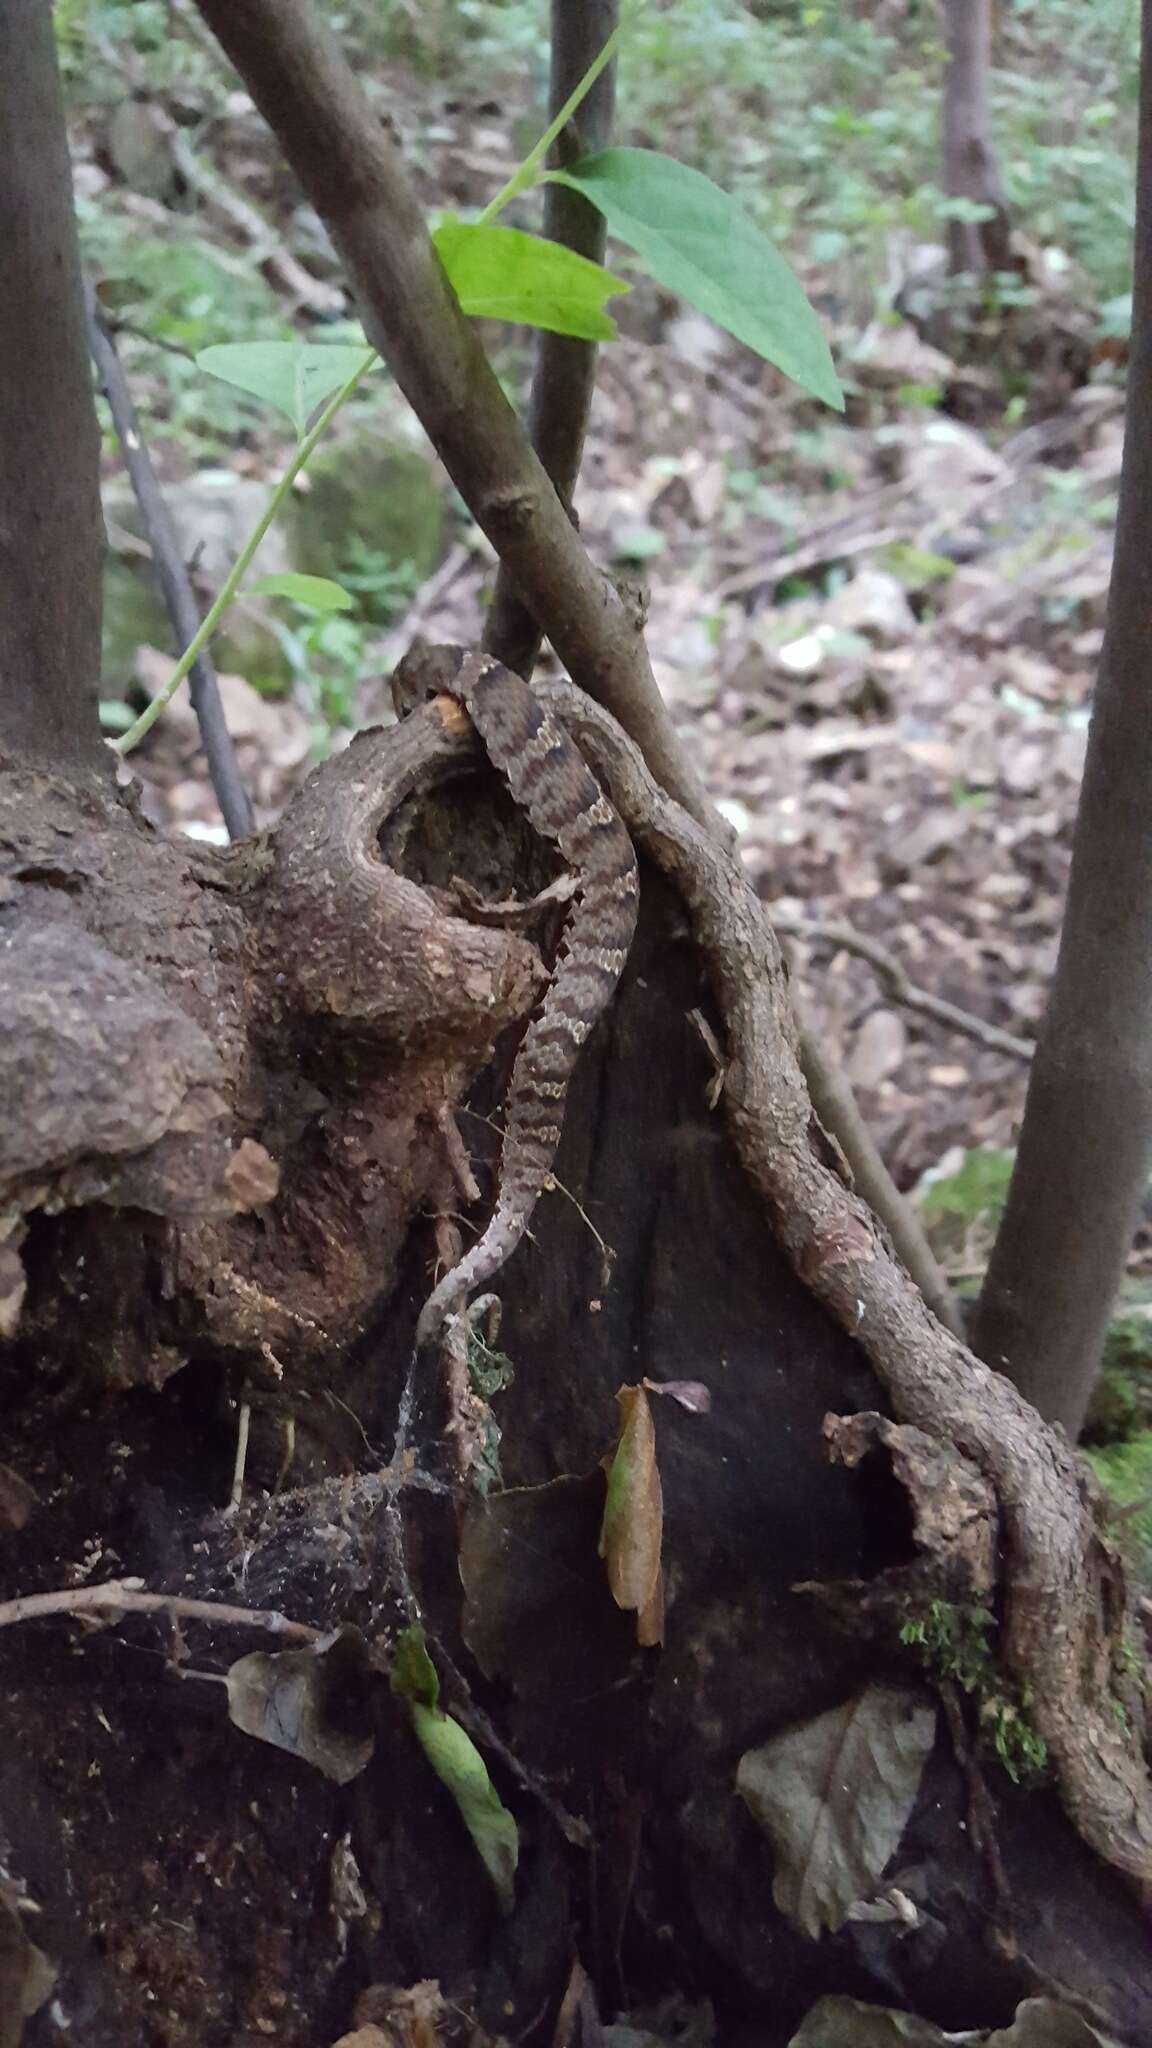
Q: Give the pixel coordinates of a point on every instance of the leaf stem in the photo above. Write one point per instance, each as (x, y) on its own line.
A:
(231, 584)
(525, 172)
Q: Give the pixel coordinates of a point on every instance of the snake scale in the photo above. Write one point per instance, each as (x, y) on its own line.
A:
(552, 783)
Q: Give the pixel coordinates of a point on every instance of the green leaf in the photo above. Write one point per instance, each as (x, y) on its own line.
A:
(697, 241)
(413, 1674)
(319, 593)
(296, 377)
(461, 1769)
(503, 274)
(115, 715)
(457, 1763)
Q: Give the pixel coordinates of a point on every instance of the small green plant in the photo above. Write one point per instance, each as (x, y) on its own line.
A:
(381, 586)
(962, 1199)
(328, 656)
(489, 1372)
(954, 1643)
(1125, 1473)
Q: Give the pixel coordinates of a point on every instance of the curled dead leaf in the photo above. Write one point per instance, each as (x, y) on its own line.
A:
(691, 1394)
(632, 1532)
(309, 1702)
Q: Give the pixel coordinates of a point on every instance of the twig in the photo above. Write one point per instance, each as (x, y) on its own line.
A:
(834, 543)
(428, 597)
(477, 1722)
(126, 1596)
(240, 1463)
(565, 375)
(894, 980)
(172, 576)
(981, 1812)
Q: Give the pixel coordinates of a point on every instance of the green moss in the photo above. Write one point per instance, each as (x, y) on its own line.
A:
(1125, 1473)
(371, 518)
(1121, 1404)
(955, 1643)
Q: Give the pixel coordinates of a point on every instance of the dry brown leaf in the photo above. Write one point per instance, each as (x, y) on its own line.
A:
(631, 1535)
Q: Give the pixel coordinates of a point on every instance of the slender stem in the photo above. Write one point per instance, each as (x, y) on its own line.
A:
(564, 379)
(231, 584)
(172, 576)
(122, 1597)
(839, 1112)
(525, 173)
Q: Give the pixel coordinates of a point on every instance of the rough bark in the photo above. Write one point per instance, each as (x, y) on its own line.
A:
(970, 169)
(51, 527)
(565, 375)
(1085, 1146)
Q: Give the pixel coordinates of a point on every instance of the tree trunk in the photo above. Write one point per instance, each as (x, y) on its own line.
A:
(51, 529)
(1085, 1148)
(970, 171)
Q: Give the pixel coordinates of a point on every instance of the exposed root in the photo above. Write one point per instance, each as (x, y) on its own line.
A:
(1064, 1596)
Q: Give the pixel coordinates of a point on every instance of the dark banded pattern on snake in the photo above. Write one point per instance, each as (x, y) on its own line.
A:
(552, 783)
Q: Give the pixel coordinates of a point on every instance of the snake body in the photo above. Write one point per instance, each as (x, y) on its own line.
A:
(552, 783)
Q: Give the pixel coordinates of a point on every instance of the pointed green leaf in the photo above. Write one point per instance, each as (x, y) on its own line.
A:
(457, 1762)
(294, 376)
(503, 274)
(318, 592)
(699, 243)
(461, 1769)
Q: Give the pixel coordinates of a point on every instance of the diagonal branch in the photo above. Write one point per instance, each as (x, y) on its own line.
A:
(350, 169)
(172, 576)
(565, 376)
(898, 986)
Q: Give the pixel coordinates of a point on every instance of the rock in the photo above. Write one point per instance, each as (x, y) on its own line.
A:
(873, 604)
(374, 501)
(929, 838)
(888, 357)
(878, 1051)
(213, 512)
